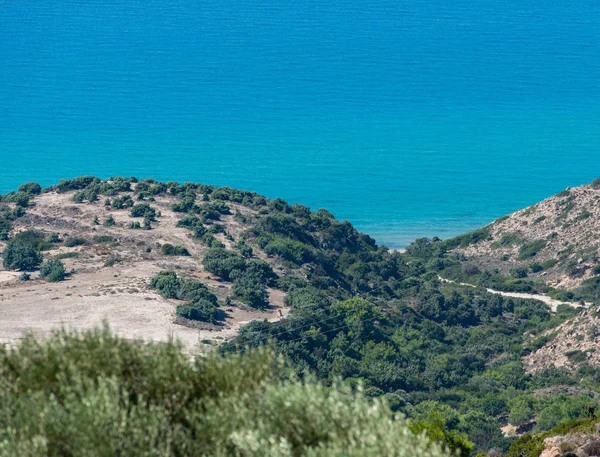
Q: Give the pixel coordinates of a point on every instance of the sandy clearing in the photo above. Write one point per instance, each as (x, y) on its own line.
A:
(118, 295)
(8, 276)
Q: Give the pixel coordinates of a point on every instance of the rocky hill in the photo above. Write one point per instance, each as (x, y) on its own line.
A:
(555, 240)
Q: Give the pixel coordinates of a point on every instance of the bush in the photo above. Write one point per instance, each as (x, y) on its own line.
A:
(169, 249)
(143, 210)
(94, 394)
(294, 251)
(194, 291)
(201, 310)
(109, 221)
(32, 188)
(122, 202)
(251, 290)
(536, 267)
(112, 261)
(531, 249)
(223, 263)
(53, 271)
(576, 356)
(169, 285)
(21, 255)
(71, 242)
(103, 239)
(66, 255)
(5, 228)
(76, 184)
(166, 283)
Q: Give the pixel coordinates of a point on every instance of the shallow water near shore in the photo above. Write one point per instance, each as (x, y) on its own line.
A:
(406, 118)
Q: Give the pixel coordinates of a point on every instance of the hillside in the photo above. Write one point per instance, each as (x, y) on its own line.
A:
(214, 266)
(554, 241)
(112, 256)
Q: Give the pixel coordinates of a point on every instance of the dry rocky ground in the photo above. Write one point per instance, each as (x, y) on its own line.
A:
(117, 292)
(575, 341)
(566, 228)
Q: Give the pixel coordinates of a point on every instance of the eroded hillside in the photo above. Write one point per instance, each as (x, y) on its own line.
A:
(555, 240)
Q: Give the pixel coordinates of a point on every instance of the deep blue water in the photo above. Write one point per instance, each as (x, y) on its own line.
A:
(408, 118)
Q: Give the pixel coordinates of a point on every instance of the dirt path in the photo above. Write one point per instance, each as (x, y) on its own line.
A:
(551, 302)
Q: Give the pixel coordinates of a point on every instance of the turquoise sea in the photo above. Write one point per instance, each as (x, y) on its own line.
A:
(408, 118)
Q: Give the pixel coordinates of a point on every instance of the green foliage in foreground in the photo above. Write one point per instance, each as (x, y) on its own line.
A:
(94, 394)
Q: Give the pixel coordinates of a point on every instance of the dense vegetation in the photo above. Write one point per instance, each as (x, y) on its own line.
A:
(96, 395)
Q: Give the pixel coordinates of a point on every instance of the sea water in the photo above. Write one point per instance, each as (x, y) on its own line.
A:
(408, 118)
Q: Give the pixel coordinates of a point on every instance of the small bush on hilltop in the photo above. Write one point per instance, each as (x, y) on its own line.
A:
(32, 188)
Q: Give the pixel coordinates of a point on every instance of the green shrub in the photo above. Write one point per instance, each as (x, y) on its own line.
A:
(112, 261)
(53, 271)
(435, 429)
(169, 249)
(468, 238)
(223, 263)
(94, 394)
(547, 264)
(531, 249)
(76, 184)
(536, 267)
(21, 255)
(32, 188)
(109, 221)
(103, 239)
(251, 289)
(143, 210)
(576, 356)
(166, 283)
(122, 202)
(66, 255)
(75, 241)
(203, 304)
(294, 251)
(189, 221)
(201, 310)
(5, 227)
(509, 239)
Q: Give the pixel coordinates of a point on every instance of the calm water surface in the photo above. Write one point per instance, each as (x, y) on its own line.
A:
(408, 118)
